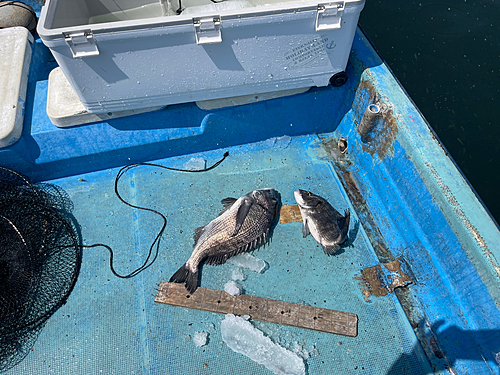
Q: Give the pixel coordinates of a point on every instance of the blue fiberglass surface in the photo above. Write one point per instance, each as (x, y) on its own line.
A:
(408, 202)
(114, 325)
(424, 219)
(47, 152)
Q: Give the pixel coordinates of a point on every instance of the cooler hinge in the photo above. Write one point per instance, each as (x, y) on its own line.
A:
(207, 30)
(81, 43)
(329, 16)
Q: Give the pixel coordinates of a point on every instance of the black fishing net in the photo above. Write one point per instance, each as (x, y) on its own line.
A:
(39, 261)
(40, 256)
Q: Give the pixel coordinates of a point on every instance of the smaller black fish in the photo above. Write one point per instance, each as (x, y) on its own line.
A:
(324, 222)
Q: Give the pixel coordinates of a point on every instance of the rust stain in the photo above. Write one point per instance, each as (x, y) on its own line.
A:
(375, 282)
(372, 277)
(290, 213)
(381, 136)
(399, 278)
(424, 330)
(331, 146)
(371, 228)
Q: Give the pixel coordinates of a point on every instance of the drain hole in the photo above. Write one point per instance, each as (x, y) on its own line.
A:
(342, 145)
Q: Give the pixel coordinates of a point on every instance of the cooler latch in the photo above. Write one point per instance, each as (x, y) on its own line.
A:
(329, 16)
(207, 30)
(81, 43)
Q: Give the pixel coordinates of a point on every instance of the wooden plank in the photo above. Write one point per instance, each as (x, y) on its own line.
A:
(323, 320)
(267, 310)
(274, 309)
(290, 314)
(210, 300)
(258, 309)
(242, 305)
(307, 317)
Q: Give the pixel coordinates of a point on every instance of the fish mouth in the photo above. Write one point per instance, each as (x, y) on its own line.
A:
(305, 199)
(298, 194)
(271, 193)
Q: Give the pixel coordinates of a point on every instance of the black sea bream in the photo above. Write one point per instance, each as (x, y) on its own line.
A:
(243, 225)
(324, 222)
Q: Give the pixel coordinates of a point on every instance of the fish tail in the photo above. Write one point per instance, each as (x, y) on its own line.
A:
(184, 275)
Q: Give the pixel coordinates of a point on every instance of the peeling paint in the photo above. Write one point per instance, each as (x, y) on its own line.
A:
(380, 135)
(382, 279)
(423, 330)
(372, 278)
(353, 191)
(450, 197)
(398, 277)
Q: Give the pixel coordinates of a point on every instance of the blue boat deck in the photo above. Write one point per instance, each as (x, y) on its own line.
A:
(114, 325)
(413, 215)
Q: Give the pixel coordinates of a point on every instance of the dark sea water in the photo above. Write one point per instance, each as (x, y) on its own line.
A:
(446, 54)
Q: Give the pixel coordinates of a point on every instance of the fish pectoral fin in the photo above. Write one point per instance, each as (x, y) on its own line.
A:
(216, 260)
(329, 250)
(305, 229)
(241, 215)
(222, 255)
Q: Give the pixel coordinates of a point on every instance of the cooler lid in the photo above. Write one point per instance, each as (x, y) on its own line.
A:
(206, 16)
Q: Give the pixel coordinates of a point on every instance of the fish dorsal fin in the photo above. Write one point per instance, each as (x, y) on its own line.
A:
(344, 220)
(241, 215)
(227, 203)
(197, 233)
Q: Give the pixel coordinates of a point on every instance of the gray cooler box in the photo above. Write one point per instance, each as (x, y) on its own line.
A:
(128, 54)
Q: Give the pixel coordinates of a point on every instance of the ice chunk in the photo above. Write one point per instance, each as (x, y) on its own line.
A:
(195, 164)
(497, 358)
(242, 337)
(270, 142)
(301, 351)
(313, 351)
(200, 339)
(304, 353)
(238, 274)
(210, 327)
(248, 261)
(283, 141)
(233, 288)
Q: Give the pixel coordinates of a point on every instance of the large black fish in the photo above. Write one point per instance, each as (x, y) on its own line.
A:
(324, 222)
(242, 226)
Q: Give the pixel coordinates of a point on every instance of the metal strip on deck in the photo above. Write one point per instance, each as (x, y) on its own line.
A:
(258, 308)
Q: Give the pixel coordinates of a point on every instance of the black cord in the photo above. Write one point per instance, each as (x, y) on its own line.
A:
(180, 9)
(120, 173)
